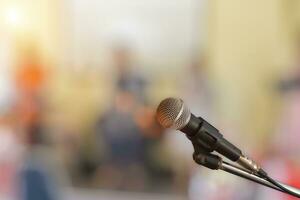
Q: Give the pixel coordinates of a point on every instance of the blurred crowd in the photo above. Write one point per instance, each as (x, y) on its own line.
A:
(54, 136)
(126, 149)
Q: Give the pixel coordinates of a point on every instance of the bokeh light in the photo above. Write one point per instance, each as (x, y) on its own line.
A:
(14, 17)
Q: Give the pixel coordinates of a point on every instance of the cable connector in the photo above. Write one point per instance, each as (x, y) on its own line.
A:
(249, 164)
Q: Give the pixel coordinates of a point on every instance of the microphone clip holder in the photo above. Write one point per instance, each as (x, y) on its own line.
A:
(208, 160)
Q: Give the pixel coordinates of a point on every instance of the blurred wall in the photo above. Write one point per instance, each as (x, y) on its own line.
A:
(163, 35)
(250, 44)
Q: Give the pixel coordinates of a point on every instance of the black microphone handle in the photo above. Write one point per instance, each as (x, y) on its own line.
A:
(208, 138)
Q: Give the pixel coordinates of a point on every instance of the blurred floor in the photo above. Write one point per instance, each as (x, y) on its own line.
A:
(90, 194)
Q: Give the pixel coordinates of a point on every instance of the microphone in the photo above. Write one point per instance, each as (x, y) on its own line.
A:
(173, 113)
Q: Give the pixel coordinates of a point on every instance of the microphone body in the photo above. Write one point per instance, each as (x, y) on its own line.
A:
(206, 137)
(173, 113)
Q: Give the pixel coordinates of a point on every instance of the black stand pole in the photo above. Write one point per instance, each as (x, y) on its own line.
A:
(215, 162)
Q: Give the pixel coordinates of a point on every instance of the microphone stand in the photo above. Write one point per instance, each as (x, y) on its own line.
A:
(215, 162)
(248, 175)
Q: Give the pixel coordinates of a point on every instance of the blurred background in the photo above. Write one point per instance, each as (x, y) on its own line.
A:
(80, 82)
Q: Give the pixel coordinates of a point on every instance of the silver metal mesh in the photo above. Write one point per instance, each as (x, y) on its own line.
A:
(173, 113)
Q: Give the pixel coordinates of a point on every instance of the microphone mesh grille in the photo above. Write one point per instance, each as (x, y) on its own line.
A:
(173, 113)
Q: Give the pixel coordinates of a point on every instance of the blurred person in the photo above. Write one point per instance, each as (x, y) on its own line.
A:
(282, 169)
(30, 72)
(196, 92)
(124, 142)
(281, 155)
(30, 79)
(288, 133)
(128, 78)
(42, 175)
(11, 151)
(11, 148)
(122, 134)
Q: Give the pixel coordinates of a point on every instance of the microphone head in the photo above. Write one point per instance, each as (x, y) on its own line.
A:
(173, 113)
